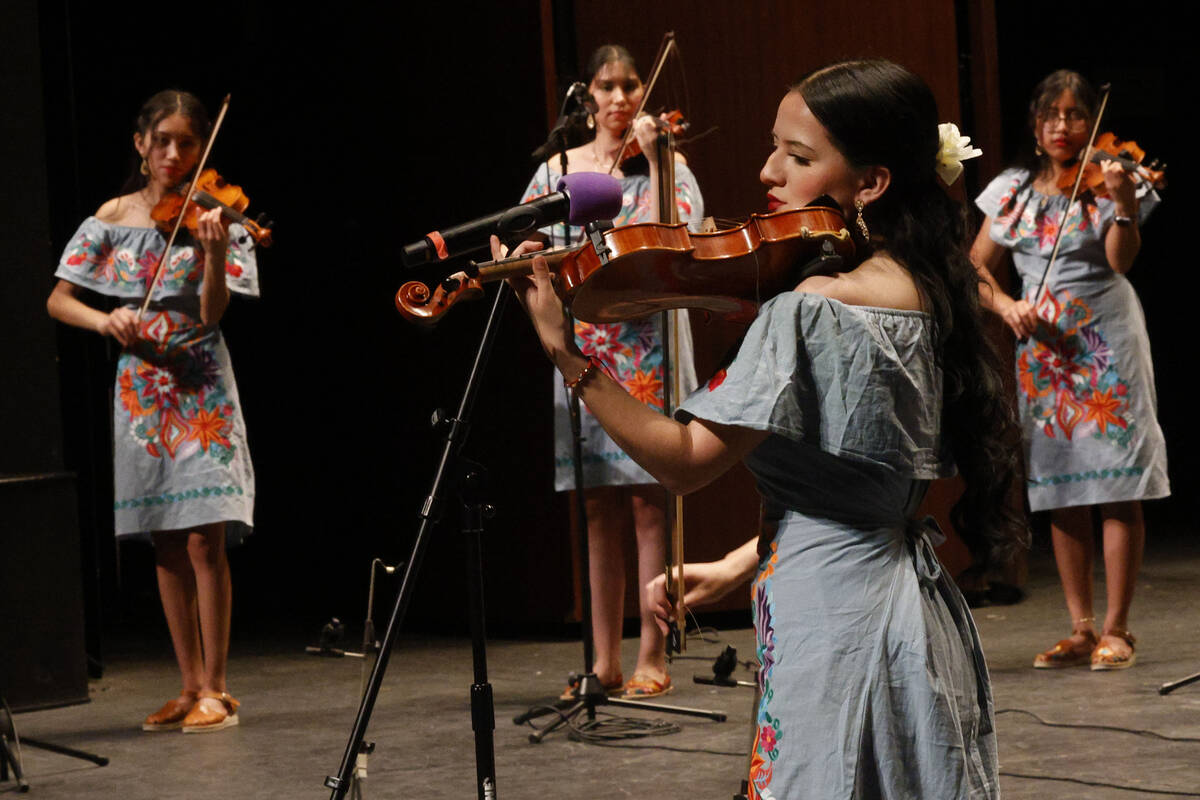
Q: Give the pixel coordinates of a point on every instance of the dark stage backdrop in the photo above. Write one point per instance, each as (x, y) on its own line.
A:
(357, 135)
(1147, 105)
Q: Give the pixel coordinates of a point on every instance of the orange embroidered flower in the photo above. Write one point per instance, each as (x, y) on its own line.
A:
(646, 386)
(1025, 375)
(1100, 407)
(206, 428)
(129, 396)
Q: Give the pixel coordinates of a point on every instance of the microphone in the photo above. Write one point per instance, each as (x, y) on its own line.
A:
(582, 197)
(556, 141)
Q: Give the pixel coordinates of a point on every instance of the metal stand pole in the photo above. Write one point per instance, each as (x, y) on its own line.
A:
(448, 468)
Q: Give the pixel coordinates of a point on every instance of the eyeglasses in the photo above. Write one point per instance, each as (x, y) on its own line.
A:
(1072, 117)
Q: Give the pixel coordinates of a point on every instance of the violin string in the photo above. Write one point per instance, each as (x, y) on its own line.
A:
(702, 135)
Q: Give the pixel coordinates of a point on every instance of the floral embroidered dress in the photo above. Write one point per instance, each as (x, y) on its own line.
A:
(1085, 382)
(873, 681)
(179, 441)
(630, 351)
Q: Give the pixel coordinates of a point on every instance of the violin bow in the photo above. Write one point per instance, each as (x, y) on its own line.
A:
(187, 198)
(668, 212)
(1083, 161)
(664, 50)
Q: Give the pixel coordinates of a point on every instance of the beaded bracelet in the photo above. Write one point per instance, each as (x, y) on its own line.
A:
(592, 365)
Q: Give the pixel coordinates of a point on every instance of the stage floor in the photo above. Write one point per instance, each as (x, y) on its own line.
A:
(297, 712)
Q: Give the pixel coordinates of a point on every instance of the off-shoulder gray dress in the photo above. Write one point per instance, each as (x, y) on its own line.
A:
(873, 681)
(179, 441)
(1085, 381)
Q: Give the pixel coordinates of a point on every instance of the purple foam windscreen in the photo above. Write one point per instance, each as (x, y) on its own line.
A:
(593, 195)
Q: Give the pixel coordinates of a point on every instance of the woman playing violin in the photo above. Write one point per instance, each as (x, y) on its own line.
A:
(621, 497)
(845, 398)
(1085, 381)
(182, 472)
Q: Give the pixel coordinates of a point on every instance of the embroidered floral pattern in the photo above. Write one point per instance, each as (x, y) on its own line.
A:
(180, 453)
(171, 390)
(1067, 376)
(1038, 219)
(769, 728)
(124, 270)
(629, 352)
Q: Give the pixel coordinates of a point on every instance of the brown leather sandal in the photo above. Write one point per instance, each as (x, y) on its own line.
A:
(1104, 657)
(613, 689)
(171, 715)
(213, 712)
(1068, 653)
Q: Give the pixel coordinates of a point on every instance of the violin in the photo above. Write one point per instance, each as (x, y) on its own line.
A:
(672, 121)
(1109, 148)
(635, 270)
(212, 191)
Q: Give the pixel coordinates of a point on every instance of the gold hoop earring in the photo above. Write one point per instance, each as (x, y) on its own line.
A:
(145, 168)
(859, 205)
(1037, 147)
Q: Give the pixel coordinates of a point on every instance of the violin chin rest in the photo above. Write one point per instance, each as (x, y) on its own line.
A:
(824, 264)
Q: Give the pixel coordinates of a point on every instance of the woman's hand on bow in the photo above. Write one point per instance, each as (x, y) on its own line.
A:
(707, 582)
(645, 130)
(122, 324)
(1020, 316)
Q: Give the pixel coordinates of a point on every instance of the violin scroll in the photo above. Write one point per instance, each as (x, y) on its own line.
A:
(416, 303)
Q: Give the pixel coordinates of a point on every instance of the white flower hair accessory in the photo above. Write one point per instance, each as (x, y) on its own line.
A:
(954, 148)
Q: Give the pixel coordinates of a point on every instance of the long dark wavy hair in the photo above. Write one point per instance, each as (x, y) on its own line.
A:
(154, 111)
(877, 113)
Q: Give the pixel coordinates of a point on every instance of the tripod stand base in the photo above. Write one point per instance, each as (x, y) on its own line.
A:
(1167, 688)
(591, 697)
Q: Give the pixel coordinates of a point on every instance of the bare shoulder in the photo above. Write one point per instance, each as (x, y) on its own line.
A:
(576, 157)
(880, 282)
(123, 210)
(680, 158)
(109, 210)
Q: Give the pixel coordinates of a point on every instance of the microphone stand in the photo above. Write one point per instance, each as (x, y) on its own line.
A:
(469, 479)
(591, 692)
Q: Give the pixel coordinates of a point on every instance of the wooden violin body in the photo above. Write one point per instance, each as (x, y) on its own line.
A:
(212, 191)
(1109, 148)
(635, 270)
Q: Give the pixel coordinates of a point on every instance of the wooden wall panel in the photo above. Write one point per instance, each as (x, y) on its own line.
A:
(741, 56)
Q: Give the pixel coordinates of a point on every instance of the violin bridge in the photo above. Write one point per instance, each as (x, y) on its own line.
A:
(595, 233)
